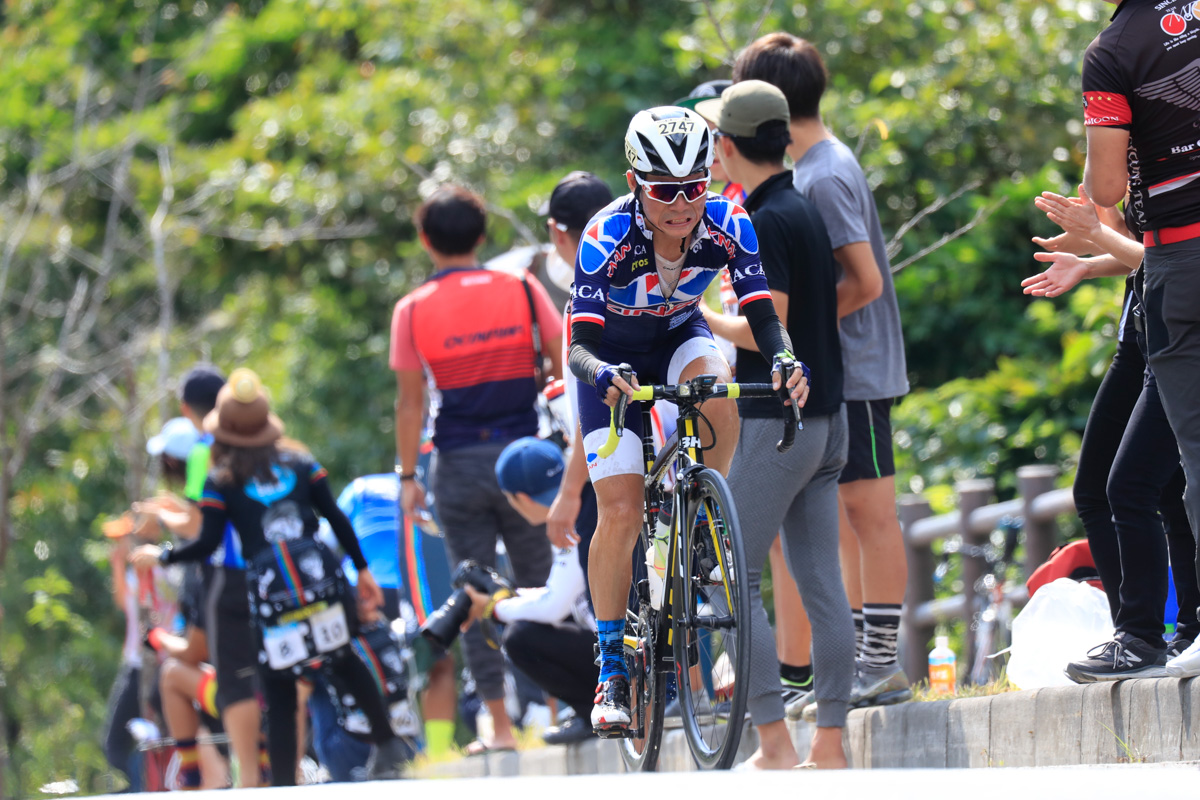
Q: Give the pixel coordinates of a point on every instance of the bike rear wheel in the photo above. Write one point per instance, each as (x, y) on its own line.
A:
(711, 623)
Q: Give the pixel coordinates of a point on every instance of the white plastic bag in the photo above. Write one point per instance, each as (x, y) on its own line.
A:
(1062, 621)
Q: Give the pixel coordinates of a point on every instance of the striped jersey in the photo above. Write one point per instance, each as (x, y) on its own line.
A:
(469, 329)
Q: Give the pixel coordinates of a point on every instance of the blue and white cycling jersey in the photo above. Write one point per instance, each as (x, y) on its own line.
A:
(616, 278)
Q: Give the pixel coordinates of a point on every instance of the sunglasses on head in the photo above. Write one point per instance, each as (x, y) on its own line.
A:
(667, 191)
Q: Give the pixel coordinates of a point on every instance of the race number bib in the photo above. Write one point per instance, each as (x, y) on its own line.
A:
(285, 646)
(329, 629)
(405, 721)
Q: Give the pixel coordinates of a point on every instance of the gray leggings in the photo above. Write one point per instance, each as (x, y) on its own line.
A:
(796, 491)
(475, 514)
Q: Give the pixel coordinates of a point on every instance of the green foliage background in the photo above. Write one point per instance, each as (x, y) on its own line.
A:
(340, 113)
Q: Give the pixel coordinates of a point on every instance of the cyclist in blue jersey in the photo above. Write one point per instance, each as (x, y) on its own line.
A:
(372, 504)
(643, 264)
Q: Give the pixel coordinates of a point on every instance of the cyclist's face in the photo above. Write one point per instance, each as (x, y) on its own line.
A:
(676, 219)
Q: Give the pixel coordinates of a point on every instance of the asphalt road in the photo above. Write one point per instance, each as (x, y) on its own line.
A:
(1045, 783)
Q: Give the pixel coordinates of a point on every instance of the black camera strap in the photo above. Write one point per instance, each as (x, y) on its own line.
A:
(535, 330)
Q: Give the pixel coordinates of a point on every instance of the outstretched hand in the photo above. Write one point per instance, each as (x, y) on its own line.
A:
(1078, 218)
(1073, 214)
(145, 557)
(1064, 272)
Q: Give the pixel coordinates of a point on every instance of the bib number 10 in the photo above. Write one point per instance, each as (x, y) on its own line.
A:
(329, 629)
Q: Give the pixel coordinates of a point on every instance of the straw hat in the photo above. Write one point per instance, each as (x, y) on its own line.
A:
(242, 417)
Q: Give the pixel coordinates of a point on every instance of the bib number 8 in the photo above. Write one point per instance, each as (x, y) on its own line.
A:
(285, 646)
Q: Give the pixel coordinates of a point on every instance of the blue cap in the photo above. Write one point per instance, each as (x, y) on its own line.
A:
(176, 439)
(533, 466)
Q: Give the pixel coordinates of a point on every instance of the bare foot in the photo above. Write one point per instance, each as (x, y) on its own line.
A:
(760, 760)
(826, 751)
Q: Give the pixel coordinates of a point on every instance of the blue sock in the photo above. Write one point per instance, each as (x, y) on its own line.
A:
(611, 633)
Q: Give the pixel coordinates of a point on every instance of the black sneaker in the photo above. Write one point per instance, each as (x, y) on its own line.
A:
(1175, 647)
(610, 715)
(793, 691)
(1122, 657)
(388, 759)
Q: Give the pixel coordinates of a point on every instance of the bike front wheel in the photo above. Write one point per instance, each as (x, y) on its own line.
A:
(710, 607)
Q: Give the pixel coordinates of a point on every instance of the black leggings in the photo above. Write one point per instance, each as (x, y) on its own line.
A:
(560, 661)
(1146, 479)
(1128, 469)
(123, 705)
(279, 691)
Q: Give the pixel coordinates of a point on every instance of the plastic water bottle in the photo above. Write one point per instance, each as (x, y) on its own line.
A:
(656, 559)
(943, 677)
(559, 404)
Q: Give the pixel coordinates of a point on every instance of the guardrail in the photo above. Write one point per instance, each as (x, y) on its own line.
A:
(1038, 502)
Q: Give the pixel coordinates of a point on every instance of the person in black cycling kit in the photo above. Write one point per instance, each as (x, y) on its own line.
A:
(643, 264)
(270, 491)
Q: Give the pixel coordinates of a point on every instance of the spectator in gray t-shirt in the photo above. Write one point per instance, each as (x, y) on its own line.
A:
(872, 550)
(872, 343)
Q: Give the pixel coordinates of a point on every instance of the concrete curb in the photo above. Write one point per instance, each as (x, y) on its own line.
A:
(1138, 721)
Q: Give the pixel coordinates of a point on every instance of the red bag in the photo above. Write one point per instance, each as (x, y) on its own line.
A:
(1072, 560)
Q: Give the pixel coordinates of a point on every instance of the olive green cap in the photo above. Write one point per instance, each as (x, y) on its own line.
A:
(745, 106)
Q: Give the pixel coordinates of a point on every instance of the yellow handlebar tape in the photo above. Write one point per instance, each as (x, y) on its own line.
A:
(610, 444)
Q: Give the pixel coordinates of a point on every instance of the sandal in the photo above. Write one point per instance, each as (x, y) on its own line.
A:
(480, 748)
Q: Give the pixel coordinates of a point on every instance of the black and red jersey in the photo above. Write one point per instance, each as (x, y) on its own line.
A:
(1142, 73)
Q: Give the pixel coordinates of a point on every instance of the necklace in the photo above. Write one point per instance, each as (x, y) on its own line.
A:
(669, 272)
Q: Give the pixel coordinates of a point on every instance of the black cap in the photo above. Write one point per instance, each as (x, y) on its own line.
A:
(576, 199)
(703, 92)
(199, 387)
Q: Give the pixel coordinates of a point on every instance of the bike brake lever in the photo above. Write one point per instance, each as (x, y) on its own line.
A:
(616, 425)
(796, 423)
(789, 435)
(626, 373)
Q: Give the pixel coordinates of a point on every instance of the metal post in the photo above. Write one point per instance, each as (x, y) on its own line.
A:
(1040, 534)
(913, 639)
(972, 494)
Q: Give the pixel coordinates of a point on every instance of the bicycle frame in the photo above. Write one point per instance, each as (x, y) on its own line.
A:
(681, 458)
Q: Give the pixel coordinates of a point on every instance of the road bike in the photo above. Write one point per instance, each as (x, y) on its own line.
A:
(991, 625)
(696, 640)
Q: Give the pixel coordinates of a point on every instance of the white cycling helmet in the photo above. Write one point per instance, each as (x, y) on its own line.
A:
(668, 140)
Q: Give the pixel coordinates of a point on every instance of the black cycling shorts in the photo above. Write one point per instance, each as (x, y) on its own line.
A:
(869, 424)
(232, 642)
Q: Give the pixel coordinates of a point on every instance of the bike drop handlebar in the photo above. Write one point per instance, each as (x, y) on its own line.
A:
(695, 391)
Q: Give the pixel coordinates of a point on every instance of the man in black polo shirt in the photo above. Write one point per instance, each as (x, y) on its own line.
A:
(1141, 94)
(796, 490)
